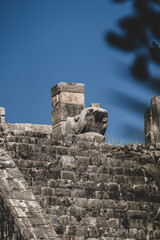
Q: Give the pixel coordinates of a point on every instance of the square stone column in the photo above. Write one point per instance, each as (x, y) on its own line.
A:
(2, 115)
(67, 101)
(152, 122)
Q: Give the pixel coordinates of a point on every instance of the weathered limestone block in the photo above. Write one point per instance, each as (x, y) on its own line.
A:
(96, 105)
(152, 122)
(61, 111)
(20, 129)
(91, 119)
(67, 87)
(69, 97)
(2, 115)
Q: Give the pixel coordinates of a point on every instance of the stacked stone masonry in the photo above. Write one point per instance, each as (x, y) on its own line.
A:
(64, 182)
(21, 215)
(87, 188)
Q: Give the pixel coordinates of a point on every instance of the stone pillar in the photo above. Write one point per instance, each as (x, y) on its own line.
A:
(152, 122)
(2, 115)
(67, 101)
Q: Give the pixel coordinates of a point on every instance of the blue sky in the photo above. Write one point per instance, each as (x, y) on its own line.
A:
(43, 42)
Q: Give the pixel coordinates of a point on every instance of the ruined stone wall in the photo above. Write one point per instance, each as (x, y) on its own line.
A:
(63, 181)
(90, 189)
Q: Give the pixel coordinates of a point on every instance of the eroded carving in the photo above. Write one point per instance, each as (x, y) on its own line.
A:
(91, 119)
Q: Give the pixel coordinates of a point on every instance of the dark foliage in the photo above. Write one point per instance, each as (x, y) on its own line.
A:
(139, 35)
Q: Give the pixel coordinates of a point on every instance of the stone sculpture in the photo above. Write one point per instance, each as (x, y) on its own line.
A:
(92, 119)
